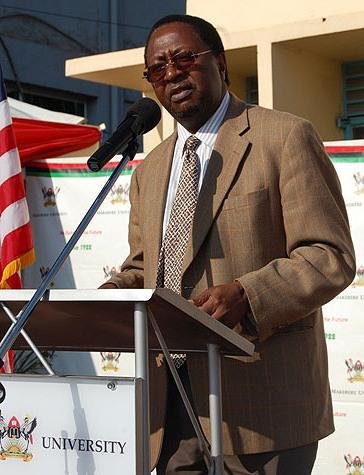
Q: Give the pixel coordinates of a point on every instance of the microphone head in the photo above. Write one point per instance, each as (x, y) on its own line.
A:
(148, 114)
(140, 118)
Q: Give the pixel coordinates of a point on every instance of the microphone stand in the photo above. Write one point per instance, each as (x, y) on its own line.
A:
(22, 317)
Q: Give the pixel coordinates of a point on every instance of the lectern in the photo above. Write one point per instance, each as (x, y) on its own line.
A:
(108, 320)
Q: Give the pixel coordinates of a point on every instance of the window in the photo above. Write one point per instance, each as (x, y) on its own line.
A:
(252, 90)
(352, 120)
(52, 99)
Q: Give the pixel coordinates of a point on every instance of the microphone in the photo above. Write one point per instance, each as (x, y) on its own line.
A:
(140, 118)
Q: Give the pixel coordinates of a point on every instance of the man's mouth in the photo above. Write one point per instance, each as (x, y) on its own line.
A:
(179, 94)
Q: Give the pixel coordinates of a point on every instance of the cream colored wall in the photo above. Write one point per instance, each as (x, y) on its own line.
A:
(163, 130)
(308, 85)
(241, 15)
(289, 78)
(265, 74)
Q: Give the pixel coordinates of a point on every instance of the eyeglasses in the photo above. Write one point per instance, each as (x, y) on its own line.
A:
(182, 61)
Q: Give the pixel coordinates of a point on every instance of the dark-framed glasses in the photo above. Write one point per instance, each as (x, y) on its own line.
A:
(182, 61)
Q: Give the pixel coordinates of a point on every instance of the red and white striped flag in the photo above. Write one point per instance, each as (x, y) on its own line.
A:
(16, 243)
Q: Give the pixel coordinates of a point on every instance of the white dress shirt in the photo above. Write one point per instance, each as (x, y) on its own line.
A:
(207, 134)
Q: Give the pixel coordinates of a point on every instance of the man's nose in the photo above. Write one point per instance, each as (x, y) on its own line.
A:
(172, 71)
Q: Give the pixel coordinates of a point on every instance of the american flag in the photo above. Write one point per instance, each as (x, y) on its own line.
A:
(16, 243)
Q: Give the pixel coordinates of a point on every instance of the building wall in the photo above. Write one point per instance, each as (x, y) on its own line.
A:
(309, 85)
(242, 15)
(37, 37)
(294, 51)
(302, 76)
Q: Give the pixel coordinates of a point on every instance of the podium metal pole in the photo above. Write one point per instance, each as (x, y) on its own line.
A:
(214, 359)
(29, 341)
(142, 372)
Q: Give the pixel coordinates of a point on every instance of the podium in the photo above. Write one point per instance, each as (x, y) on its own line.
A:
(127, 320)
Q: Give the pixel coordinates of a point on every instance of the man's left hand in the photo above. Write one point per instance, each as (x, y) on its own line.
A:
(227, 303)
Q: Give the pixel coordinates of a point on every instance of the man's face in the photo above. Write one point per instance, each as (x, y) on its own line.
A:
(190, 96)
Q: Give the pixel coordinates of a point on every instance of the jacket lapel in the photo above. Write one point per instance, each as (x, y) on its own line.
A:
(159, 181)
(230, 148)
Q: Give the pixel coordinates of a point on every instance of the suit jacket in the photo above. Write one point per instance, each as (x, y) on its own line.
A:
(270, 214)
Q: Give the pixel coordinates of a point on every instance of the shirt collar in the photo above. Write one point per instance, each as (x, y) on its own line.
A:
(207, 133)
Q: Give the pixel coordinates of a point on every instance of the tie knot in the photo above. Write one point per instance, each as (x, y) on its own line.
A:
(192, 143)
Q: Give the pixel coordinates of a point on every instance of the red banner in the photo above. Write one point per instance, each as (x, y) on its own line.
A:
(38, 139)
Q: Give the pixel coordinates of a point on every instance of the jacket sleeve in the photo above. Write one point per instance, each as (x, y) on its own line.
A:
(132, 270)
(320, 260)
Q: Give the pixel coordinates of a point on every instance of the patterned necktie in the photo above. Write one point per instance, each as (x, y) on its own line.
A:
(175, 240)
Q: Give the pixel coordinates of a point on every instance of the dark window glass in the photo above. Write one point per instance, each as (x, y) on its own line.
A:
(52, 99)
(352, 120)
(252, 90)
(358, 132)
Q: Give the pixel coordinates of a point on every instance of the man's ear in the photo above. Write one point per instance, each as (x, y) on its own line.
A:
(222, 64)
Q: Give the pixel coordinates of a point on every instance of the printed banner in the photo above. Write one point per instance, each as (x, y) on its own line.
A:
(60, 193)
(59, 196)
(343, 452)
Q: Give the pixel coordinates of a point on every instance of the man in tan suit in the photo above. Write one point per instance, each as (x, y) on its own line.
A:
(268, 246)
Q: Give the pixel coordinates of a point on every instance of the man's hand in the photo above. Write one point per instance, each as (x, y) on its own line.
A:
(227, 303)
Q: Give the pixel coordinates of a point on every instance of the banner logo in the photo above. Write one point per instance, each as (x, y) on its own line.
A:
(355, 371)
(110, 272)
(359, 280)
(15, 438)
(110, 361)
(353, 466)
(120, 194)
(359, 183)
(49, 195)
